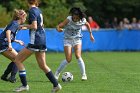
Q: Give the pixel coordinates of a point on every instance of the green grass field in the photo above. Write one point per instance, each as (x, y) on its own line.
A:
(108, 72)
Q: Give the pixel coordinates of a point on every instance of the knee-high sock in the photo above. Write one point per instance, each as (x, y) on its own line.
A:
(81, 65)
(62, 66)
(9, 68)
(52, 78)
(14, 71)
(22, 75)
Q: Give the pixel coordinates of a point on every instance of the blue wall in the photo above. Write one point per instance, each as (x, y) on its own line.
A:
(105, 40)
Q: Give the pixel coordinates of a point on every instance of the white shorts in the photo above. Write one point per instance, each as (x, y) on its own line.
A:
(72, 42)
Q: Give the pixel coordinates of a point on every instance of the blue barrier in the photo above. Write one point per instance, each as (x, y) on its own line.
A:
(105, 40)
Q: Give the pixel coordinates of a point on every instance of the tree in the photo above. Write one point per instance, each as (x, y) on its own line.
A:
(107, 9)
(10, 5)
(55, 11)
(4, 17)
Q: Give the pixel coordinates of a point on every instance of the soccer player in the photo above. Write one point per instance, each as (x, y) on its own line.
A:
(37, 45)
(6, 38)
(72, 39)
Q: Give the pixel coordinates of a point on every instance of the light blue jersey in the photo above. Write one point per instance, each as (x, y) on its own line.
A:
(73, 29)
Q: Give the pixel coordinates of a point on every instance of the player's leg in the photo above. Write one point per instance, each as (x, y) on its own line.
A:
(12, 78)
(68, 55)
(7, 72)
(41, 59)
(77, 49)
(11, 68)
(22, 55)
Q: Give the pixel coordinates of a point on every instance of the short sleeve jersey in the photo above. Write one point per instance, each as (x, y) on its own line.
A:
(37, 37)
(73, 29)
(13, 27)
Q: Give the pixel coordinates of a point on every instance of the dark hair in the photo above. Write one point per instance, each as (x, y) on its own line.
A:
(33, 2)
(77, 11)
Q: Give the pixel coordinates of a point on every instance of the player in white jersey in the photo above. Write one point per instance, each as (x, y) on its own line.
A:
(72, 39)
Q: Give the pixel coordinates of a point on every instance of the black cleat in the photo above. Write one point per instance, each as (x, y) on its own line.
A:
(4, 78)
(12, 80)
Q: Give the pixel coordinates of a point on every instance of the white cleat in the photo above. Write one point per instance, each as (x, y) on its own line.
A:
(22, 88)
(56, 89)
(56, 75)
(84, 77)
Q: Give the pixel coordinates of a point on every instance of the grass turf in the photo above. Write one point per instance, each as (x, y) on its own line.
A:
(108, 72)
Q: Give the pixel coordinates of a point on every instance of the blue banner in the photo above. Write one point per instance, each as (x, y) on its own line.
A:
(105, 40)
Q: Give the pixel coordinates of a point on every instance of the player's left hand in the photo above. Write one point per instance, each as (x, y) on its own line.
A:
(92, 38)
(22, 27)
(21, 42)
(10, 47)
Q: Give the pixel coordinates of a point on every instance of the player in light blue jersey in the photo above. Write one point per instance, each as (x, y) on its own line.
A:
(6, 38)
(72, 39)
(36, 45)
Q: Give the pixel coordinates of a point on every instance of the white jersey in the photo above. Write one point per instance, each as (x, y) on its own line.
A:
(73, 29)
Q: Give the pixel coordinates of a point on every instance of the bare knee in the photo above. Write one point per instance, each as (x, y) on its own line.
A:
(44, 68)
(77, 56)
(13, 59)
(17, 61)
(68, 60)
(41, 66)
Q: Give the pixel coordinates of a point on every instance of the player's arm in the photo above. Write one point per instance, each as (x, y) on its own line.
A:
(22, 27)
(8, 36)
(30, 26)
(90, 31)
(19, 41)
(88, 27)
(61, 25)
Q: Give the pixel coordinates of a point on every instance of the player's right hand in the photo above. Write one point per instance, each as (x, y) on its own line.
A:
(9, 48)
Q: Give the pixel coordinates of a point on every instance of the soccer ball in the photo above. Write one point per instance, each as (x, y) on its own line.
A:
(67, 77)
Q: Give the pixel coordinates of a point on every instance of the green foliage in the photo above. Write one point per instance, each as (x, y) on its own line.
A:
(10, 5)
(55, 11)
(4, 17)
(18, 4)
(101, 10)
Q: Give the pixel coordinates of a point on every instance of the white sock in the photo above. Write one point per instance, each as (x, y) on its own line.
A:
(82, 66)
(62, 66)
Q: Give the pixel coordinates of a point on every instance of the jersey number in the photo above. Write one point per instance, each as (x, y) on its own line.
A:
(41, 23)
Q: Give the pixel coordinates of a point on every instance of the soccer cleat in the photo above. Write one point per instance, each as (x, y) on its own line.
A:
(12, 79)
(84, 77)
(4, 78)
(56, 89)
(56, 75)
(22, 88)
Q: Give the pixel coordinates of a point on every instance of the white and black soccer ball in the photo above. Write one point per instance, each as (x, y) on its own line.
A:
(67, 77)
